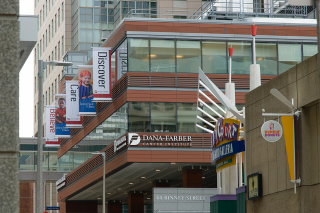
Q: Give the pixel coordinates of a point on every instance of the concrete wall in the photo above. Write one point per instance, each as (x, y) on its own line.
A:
(9, 106)
(270, 159)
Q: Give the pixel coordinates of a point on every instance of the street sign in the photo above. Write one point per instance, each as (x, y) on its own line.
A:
(52, 208)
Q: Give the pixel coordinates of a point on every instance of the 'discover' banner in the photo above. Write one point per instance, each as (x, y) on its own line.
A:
(73, 120)
(50, 127)
(86, 105)
(101, 60)
(60, 117)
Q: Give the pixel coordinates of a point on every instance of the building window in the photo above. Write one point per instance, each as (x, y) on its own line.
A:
(188, 56)
(46, 98)
(49, 96)
(59, 83)
(35, 55)
(59, 17)
(55, 23)
(49, 65)
(241, 58)
(40, 18)
(52, 92)
(267, 58)
(35, 113)
(35, 85)
(55, 53)
(289, 56)
(55, 86)
(139, 117)
(309, 50)
(214, 57)
(58, 50)
(43, 46)
(40, 47)
(162, 56)
(43, 14)
(46, 38)
(52, 28)
(163, 117)
(138, 54)
(62, 12)
(49, 33)
(62, 45)
(38, 51)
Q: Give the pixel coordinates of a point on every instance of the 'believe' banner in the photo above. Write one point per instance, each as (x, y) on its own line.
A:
(60, 115)
(50, 127)
(101, 74)
(74, 120)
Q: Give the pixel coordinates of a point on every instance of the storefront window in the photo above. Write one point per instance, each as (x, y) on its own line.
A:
(139, 117)
(162, 56)
(188, 56)
(163, 117)
(267, 58)
(138, 55)
(214, 57)
(289, 56)
(242, 57)
(186, 117)
(309, 50)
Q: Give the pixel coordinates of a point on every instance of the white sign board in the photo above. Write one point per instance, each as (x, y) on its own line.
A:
(271, 131)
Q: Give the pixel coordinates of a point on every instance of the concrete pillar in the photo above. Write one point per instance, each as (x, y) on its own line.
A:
(9, 106)
(135, 202)
(161, 183)
(114, 206)
(192, 178)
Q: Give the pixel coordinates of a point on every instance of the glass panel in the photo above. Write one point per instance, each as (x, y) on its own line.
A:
(89, 36)
(82, 35)
(82, 24)
(104, 11)
(267, 58)
(162, 56)
(242, 57)
(97, 11)
(139, 117)
(289, 56)
(53, 161)
(89, 11)
(65, 162)
(188, 56)
(82, 11)
(89, 17)
(27, 161)
(214, 57)
(138, 54)
(89, 3)
(97, 36)
(309, 50)
(186, 116)
(163, 117)
(82, 3)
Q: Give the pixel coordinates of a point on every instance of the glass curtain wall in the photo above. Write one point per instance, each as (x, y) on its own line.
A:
(289, 56)
(214, 57)
(139, 117)
(242, 57)
(186, 118)
(309, 50)
(163, 117)
(188, 56)
(162, 56)
(266, 54)
(138, 55)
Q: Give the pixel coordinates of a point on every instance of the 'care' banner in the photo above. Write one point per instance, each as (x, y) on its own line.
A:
(74, 120)
(101, 74)
(86, 106)
(60, 115)
(50, 127)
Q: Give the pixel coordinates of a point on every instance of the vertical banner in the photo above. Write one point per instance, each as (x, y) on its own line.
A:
(121, 62)
(74, 120)
(86, 105)
(60, 117)
(101, 60)
(50, 127)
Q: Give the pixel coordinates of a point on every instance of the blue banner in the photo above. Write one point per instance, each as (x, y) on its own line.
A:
(86, 105)
(53, 208)
(227, 149)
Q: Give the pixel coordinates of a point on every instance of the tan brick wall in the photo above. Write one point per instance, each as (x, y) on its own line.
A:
(26, 197)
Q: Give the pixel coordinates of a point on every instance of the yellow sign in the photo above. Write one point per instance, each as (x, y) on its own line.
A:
(288, 130)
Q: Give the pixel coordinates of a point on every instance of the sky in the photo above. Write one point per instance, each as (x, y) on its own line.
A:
(26, 93)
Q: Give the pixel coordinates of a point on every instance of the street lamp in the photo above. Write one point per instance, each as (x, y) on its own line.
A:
(41, 65)
(104, 180)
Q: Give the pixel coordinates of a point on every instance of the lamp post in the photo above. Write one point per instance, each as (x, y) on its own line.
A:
(104, 180)
(41, 65)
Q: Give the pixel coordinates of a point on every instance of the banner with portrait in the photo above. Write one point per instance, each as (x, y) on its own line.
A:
(60, 117)
(50, 127)
(86, 105)
(101, 60)
(73, 119)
